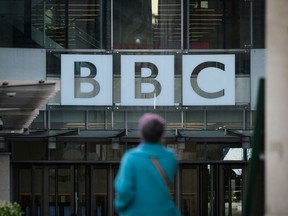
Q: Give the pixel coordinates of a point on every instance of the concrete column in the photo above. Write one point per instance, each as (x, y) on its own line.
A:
(5, 176)
(277, 108)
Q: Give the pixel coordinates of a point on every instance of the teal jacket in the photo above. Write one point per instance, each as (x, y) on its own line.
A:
(140, 189)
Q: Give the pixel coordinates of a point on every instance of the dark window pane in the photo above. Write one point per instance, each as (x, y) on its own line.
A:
(96, 119)
(29, 150)
(76, 24)
(62, 119)
(68, 151)
(19, 23)
(220, 119)
(105, 151)
(219, 24)
(259, 23)
(88, 24)
(38, 122)
(144, 24)
(55, 24)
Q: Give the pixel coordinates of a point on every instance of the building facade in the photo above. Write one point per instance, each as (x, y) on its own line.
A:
(194, 62)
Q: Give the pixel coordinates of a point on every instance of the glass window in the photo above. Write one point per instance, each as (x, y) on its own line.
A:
(76, 24)
(88, 24)
(222, 151)
(194, 120)
(144, 24)
(119, 119)
(68, 151)
(96, 119)
(133, 118)
(38, 122)
(258, 23)
(173, 119)
(63, 119)
(218, 24)
(53, 64)
(105, 151)
(200, 151)
(21, 23)
(55, 24)
(29, 150)
(220, 119)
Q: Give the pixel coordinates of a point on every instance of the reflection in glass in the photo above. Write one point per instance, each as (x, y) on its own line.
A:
(219, 24)
(80, 25)
(207, 151)
(233, 191)
(55, 24)
(87, 24)
(96, 119)
(233, 153)
(185, 152)
(220, 119)
(194, 120)
(68, 151)
(64, 119)
(104, 152)
(218, 151)
(100, 191)
(144, 24)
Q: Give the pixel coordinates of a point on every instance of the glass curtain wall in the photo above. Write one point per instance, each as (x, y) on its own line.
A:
(136, 24)
(218, 24)
(144, 24)
(56, 24)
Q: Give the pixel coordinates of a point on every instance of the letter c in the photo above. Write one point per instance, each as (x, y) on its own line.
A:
(194, 83)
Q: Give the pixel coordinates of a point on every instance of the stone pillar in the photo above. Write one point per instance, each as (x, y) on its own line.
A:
(5, 176)
(276, 108)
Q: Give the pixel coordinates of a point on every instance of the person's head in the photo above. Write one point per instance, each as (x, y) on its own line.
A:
(151, 127)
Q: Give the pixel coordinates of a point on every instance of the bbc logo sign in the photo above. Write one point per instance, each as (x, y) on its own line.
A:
(148, 79)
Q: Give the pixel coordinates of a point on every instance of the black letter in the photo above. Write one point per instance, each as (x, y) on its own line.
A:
(88, 79)
(149, 79)
(194, 82)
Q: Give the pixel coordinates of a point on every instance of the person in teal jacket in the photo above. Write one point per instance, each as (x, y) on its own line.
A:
(140, 188)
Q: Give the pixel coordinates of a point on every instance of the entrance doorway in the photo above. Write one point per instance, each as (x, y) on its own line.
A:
(212, 189)
(60, 190)
(207, 189)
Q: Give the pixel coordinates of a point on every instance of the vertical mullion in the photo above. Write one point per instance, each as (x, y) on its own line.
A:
(251, 24)
(110, 190)
(111, 27)
(66, 24)
(86, 119)
(182, 24)
(45, 191)
(32, 191)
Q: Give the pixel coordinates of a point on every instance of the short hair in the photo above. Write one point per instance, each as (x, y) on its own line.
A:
(151, 127)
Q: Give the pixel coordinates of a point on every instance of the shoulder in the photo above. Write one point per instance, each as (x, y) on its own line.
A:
(129, 155)
(170, 152)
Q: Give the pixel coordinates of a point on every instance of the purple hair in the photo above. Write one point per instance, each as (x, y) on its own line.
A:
(151, 127)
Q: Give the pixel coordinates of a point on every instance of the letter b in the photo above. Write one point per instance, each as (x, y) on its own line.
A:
(88, 79)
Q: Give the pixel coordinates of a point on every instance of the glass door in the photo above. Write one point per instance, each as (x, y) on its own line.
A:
(189, 176)
(99, 185)
(231, 190)
(60, 194)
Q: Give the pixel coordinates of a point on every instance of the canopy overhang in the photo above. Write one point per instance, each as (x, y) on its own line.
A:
(20, 102)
